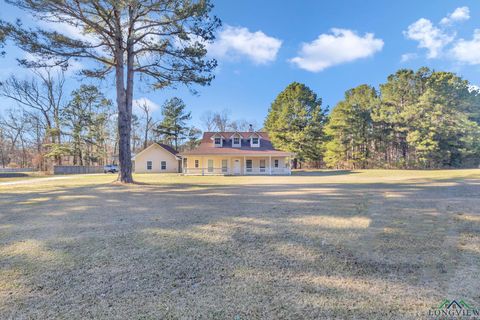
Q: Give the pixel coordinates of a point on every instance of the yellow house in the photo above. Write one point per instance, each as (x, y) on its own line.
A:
(236, 153)
(157, 158)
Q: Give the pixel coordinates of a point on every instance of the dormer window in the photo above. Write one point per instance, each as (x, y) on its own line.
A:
(217, 140)
(255, 141)
(236, 140)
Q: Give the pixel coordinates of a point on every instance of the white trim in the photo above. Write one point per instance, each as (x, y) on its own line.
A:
(254, 133)
(217, 134)
(254, 145)
(236, 133)
(237, 155)
(239, 144)
(218, 145)
(150, 146)
(270, 165)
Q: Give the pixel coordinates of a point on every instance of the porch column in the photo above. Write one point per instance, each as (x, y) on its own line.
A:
(244, 165)
(270, 164)
(203, 169)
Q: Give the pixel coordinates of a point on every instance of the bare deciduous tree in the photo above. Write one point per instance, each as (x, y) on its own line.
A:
(161, 40)
(207, 119)
(13, 130)
(43, 94)
(148, 122)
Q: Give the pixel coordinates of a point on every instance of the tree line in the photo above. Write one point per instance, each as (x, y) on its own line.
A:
(49, 126)
(416, 119)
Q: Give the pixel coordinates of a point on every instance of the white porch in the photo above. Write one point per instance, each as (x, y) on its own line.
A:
(236, 165)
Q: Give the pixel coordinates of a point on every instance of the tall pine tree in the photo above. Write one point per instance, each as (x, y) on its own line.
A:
(173, 128)
(295, 122)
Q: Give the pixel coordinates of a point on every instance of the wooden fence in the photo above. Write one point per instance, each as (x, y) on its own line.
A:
(77, 169)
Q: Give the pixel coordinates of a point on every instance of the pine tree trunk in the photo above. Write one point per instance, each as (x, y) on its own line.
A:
(124, 125)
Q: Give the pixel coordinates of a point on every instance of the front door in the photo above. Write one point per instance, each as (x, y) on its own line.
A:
(236, 166)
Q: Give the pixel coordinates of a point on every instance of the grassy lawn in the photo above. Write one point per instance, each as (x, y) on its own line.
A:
(376, 244)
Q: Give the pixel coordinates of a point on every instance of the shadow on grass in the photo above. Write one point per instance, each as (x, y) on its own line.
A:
(321, 173)
(267, 251)
(13, 175)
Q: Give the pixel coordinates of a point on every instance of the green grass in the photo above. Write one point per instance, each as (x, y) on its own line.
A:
(369, 244)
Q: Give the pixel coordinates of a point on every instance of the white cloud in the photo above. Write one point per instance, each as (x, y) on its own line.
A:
(72, 31)
(468, 51)
(341, 46)
(237, 42)
(73, 65)
(408, 56)
(474, 88)
(433, 37)
(152, 106)
(428, 36)
(459, 14)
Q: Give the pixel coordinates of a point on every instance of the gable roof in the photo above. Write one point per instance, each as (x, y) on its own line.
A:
(236, 133)
(216, 134)
(162, 145)
(168, 148)
(208, 148)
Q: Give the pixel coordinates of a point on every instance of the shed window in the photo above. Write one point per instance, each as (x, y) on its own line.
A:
(149, 165)
(197, 164)
(163, 165)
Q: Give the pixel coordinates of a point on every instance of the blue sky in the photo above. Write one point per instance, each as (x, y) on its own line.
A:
(330, 46)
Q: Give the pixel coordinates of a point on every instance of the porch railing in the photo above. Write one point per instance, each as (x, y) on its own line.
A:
(206, 171)
(267, 170)
(228, 171)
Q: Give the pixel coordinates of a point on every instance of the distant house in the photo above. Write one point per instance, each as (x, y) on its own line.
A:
(157, 158)
(235, 153)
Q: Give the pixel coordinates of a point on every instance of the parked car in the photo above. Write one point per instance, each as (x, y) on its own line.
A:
(112, 168)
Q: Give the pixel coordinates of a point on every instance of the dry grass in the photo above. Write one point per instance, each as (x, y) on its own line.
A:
(368, 245)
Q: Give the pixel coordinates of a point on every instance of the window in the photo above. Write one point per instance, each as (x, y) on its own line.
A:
(218, 141)
(262, 165)
(197, 164)
(236, 140)
(249, 165)
(224, 165)
(210, 165)
(254, 140)
(276, 163)
(185, 162)
(149, 165)
(163, 165)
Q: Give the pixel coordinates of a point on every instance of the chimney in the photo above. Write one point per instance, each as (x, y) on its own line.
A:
(250, 128)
